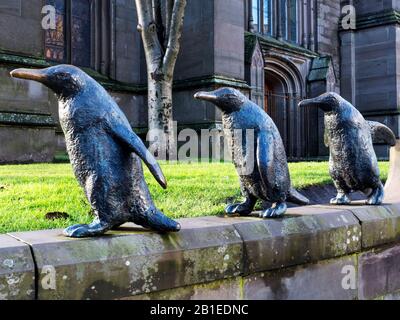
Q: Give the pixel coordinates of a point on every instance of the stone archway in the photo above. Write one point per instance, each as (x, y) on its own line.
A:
(284, 89)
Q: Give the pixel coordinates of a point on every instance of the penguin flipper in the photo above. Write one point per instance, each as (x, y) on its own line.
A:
(265, 157)
(381, 134)
(270, 165)
(136, 145)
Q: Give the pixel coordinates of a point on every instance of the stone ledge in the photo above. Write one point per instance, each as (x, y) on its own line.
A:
(208, 254)
(133, 261)
(17, 270)
(380, 225)
(306, 234)
(27, 119)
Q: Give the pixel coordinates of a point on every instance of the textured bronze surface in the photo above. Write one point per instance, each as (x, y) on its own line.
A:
(261, 160)
(353, 162)
(104, 151)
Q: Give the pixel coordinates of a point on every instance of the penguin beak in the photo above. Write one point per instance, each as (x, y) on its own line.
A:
(206, 96)
(29, 74)
(322, 104)
(309, 103)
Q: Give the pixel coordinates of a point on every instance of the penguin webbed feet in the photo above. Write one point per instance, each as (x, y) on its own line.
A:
(276, 211)
(242, 209)
(96, 228)
(376, 197)
(341, 199)
(155, 220)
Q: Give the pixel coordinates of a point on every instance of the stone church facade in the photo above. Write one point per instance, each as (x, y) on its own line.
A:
(276, 51)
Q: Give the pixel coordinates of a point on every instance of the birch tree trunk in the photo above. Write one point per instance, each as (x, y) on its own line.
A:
(160, 25)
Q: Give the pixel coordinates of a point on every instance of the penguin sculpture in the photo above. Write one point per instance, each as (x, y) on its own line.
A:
(267, 178)
(353, 162)
(104, 151)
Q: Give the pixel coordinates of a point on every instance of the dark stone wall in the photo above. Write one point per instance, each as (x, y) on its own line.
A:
(129, 54)
(196, 58)
(229, 38)
(20, 27)
(373, 6)
(213, 40)
(369, 68)
(328, 16)
(30, 138)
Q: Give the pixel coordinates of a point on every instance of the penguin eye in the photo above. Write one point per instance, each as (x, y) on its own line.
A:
(63, 76)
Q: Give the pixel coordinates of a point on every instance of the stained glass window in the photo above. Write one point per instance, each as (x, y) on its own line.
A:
(73, 37)
(55, 48)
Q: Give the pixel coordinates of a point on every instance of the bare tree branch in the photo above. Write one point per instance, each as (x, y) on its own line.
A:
(174, 35)
(169, 5)
(158, 19)
(160, 25)
(148, 29)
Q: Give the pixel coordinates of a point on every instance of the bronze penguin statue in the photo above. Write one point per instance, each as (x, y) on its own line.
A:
(104, 151)
(269, 179)
(353, 164)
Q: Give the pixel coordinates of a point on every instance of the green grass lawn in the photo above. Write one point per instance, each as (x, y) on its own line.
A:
(28, 192)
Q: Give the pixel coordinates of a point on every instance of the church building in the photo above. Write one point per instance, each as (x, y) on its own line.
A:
(277, 52)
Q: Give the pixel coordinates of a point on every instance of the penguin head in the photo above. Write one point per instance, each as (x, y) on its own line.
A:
(65, 80)
(328, 102)
(226, 99)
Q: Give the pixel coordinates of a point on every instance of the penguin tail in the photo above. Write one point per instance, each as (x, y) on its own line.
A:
(297, 198)
(155, 220)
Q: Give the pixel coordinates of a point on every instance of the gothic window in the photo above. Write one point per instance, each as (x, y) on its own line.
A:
(55, 39)
(284, 11)
(70, 41)
(267, 17)
(80, 33)
(256, 15)
(262, 16)
(292, 20)
(270, 15)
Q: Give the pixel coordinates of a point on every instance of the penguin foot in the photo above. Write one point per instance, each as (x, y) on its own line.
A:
(376, 197)
(276, 211)
(96, 228)
(155, 220)
(341, 200)
(242, 209)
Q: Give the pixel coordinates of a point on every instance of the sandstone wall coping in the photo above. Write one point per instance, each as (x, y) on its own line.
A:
(132, 261)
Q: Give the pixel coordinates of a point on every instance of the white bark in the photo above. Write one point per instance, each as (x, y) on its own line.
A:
(161, 43)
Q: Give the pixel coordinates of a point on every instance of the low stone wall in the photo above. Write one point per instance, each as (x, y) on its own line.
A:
(316, 252)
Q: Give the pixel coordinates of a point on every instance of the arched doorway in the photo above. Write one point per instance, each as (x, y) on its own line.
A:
(283, 92)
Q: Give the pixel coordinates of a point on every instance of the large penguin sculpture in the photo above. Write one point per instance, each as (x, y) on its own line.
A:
(267, 177)
(104, 151)
(353, 162)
